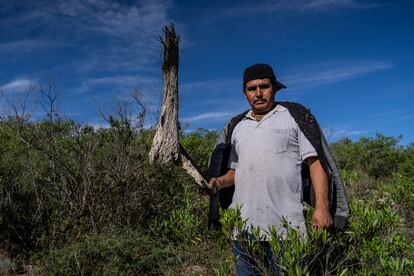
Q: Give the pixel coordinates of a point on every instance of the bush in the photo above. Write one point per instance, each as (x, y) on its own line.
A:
(183, 225)
(54, 188)
(128, 253)
(199, 145)
(372, 244)
(378, 157)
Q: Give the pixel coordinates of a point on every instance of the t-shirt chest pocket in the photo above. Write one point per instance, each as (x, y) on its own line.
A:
(277, 140)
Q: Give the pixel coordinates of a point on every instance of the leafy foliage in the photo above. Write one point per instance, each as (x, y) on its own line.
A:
(200, 144)
(373, 244)
(183, 225)
(79, 200)
(378, 157)
(54, 188)
(128, 253)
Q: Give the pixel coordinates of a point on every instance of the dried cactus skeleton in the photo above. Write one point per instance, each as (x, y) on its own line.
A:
(166, 146)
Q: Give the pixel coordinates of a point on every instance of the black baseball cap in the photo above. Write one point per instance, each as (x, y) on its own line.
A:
(260, 71)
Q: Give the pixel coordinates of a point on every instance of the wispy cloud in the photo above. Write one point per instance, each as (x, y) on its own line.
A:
(27, 45)
(389, 118)
(108, 35)
(407, 117)
(270, 7)
(224, 94)
(303, 76)
(208, 116)
(17, 85)
(385, 114)
(126, 82)
(328, 4)
(331, 72)
(129, 81)
(342, 132)
(211, 84)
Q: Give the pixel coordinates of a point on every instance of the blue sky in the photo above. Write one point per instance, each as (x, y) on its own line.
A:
(350, 61)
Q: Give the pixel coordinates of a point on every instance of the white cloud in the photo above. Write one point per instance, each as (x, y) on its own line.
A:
(107, 35)
(320, 74)
(327, 4)
(304, 76)
(208, 116)
(120, 81)
(128, 33)
(211, 84)
(17, 85)
(271, 7)
(342, 132)
(26, 45)
(387, 113)
(407, 117)
(125, 83)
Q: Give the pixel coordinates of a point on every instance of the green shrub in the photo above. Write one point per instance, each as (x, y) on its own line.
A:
(199, 145)
(372, 244)
(378, 157)
(183, 225)
(56, 186)
(127, 253)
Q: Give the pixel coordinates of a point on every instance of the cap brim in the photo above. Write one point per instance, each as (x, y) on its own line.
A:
(281, 85)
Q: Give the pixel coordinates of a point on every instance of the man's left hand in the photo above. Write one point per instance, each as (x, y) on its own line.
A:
(321, 218)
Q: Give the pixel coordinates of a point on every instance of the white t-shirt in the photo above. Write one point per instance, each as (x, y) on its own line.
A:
(267, 156)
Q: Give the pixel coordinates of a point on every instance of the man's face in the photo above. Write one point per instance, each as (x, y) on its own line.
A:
(260, 95)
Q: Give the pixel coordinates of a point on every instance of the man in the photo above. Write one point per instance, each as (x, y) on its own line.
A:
(268, 148)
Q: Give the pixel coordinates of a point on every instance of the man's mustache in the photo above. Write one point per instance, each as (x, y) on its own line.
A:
(259, 100)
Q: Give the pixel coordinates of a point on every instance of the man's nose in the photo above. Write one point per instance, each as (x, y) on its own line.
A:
(259, 92)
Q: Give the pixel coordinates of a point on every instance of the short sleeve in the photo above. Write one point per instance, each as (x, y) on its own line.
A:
(305, 147)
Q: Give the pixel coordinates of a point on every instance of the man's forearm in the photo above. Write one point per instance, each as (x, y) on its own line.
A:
(321, 218)
(224, 181)
(320, 183)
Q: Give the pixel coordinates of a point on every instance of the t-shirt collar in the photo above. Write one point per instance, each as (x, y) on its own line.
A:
(277, 108)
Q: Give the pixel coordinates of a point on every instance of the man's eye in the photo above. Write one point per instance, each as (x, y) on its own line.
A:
(261, 87)
(264, 86)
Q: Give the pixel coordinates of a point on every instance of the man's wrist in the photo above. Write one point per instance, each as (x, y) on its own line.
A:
(322, 207)
(218, 185)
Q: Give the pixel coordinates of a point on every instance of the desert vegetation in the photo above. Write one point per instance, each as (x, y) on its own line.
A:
(78, 200)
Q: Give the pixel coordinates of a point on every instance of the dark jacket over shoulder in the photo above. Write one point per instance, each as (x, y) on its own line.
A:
(338, 202)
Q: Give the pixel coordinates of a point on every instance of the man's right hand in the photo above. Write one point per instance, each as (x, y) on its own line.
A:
(217, 183)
